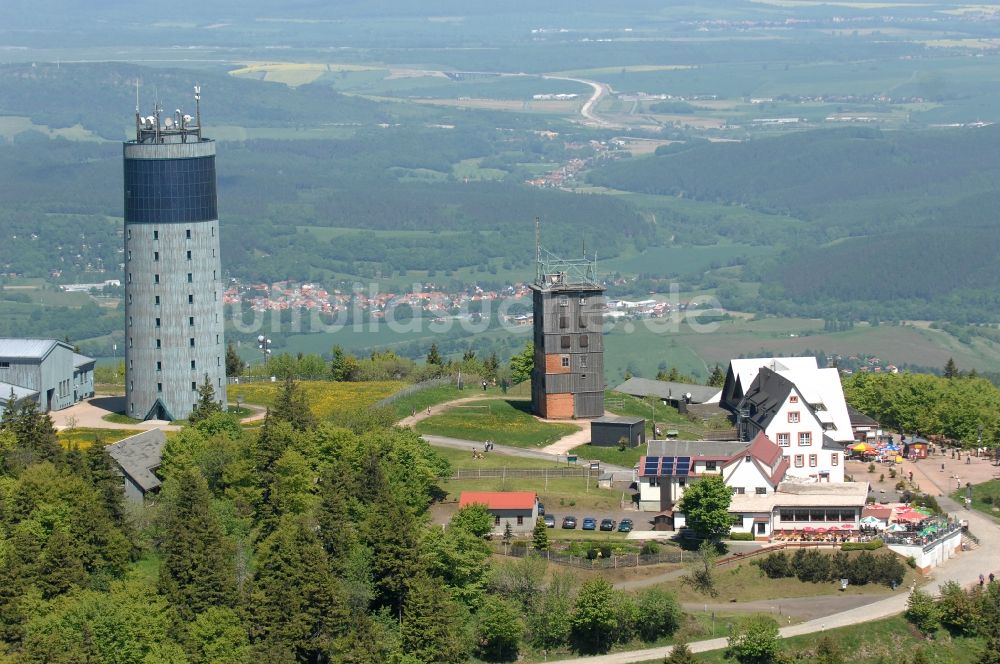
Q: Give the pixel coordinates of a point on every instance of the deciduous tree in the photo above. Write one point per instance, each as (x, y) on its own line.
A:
(706, 507)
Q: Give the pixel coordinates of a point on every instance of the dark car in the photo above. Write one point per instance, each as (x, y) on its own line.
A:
(569, 522)
(608, 524)
(589, 523)
(541, 509)
(625, 526)
(550, 521)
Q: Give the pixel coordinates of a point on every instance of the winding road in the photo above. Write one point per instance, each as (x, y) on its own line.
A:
(587, 110)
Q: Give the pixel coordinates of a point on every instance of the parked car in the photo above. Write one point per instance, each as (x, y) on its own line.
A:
(589, 523)
(569, 522)
(625, 526)
(541, 509)
(608, 524)
(550, 521)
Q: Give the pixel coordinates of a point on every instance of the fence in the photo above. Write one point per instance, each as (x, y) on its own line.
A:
(413, 389)
(611, 562)
(494, 473)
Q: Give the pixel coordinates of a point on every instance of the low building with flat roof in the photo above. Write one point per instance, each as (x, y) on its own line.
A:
(46, 371)
(607, 431)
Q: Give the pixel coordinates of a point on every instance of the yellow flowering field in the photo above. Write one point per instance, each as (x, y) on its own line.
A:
(325, 398)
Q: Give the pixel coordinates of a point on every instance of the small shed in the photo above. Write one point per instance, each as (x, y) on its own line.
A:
(664, 521)
(138, 457)
(608, 430)
(517, 508)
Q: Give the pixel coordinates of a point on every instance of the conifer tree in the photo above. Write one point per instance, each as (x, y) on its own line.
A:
(434, 356)
(338, 365)
(296, 603)
(431, 622)
(197, 571)
(391, 533)
(59, 567)
(292, 407)
(207, 404)
(336, 532)
(717, 378)
(101, 469)
(951, 369)
(540, 535)
(234, 363)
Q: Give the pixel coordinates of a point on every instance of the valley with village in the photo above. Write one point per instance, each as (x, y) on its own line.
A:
(369, 333)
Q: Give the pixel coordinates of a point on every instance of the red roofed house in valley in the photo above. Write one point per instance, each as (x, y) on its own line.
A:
(518, 508)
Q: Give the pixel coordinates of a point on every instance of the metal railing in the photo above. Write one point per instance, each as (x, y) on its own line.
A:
(600, 562)
(413, 389)
(499, 473)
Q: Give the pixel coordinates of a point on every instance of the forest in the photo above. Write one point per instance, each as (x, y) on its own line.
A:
(960, 407)
(302, 541)
(900, 222)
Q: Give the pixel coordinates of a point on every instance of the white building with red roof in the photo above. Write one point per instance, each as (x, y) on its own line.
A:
(517, 508)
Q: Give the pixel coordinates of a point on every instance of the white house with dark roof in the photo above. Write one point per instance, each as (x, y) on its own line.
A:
(137, 458)
(46, 371)
(802, 411)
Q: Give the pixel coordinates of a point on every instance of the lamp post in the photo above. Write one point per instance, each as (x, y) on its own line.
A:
(264, 344)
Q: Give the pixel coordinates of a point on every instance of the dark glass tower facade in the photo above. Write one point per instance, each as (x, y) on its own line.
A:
(173, 275)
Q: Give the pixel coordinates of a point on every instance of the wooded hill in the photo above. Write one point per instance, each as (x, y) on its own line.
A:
(886, 216)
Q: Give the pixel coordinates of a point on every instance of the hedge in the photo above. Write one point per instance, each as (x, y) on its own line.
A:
(741, 537)
(873, 545)
(815, 567)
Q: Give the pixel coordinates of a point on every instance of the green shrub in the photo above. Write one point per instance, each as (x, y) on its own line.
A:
(988, 499)
(862, 546)
(871, 468)
(922, 612)
(900, 485)
(775, 566)
(649, 548)
(741, 537)
(892, 473)
(811, 566)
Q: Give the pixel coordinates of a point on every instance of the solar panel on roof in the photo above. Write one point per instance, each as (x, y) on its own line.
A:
(652, 465)
(683, 466)
(668, 465)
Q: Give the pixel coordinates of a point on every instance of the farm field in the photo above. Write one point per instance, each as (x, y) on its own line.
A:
(325, 398)
(505, 422)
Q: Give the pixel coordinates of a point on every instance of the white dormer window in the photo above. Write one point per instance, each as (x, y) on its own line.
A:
(793, 399)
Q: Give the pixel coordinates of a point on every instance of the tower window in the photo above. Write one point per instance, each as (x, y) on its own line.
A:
(564, 341)
(156, 278)
(563, 301)
(156, 255)
(130, 321)
(190, 320)
(190, 277)
(159, 365)
(187, 233)
(156, 300)
(157, 322)
(190, 298)
(130, 254)
(584, 341)
(189, 255)
(158, 344)
(159, 387)
(128, 234)
(191, 342)
(156, 235)
(564, 360)
(130, 277)
(193, 364)
(563, 322)
(194, 386)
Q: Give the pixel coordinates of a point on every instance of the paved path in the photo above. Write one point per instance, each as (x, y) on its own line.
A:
(558, 448)
(411, 420)
(964, 569)
(89, 414)
(462, 444)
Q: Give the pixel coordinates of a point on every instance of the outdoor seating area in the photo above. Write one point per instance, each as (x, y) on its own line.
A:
(832, 534)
